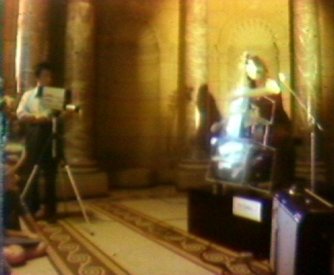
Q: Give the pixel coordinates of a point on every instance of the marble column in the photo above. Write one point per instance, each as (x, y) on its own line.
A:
(193, 74)
(9, 45)
(79, 78)
(306, 43)
(2, 20)
(2, 136)
(32, 44)
(307, 82)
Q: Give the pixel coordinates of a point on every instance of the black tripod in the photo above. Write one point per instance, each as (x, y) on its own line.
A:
(62, 162)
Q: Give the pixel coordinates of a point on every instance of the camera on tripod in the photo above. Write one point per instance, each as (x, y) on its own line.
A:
(57, 99)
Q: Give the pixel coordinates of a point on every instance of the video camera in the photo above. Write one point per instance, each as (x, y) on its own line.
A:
(57, 99)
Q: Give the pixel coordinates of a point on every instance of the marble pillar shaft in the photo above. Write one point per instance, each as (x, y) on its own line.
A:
(306, 60)
(32, 45)
(9, 45)
(195, 68)
(307, 80)
(195, 42)
(79, 67)
(2, 17)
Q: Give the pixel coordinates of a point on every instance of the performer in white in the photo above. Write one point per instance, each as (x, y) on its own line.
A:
(256, 114)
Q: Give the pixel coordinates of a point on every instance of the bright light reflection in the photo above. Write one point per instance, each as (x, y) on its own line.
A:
(233, 126)
(231, 153)
(236, 112)
(197, 118)
(214, 140)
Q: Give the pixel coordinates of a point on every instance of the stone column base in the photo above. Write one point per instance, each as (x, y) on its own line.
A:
(134, 178)
(191, 173)
(91, 182)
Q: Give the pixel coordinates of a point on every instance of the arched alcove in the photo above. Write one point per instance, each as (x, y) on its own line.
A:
(128, 88)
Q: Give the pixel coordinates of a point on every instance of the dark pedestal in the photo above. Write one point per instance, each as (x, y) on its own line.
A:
(211, 217)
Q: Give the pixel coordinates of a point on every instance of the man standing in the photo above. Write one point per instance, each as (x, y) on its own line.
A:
(38, 120)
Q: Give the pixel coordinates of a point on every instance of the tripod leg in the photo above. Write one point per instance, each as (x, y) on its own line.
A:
(29, 182)
(77, 194)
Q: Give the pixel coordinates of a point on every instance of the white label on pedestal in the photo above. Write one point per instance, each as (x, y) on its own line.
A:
(247, 208)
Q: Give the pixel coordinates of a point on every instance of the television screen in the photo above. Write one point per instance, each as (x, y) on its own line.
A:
(241, 161)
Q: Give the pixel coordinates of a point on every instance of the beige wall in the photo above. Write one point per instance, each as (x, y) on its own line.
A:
(137, 52)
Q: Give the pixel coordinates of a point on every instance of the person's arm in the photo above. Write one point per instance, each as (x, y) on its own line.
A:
(19, 163)
(22, 111)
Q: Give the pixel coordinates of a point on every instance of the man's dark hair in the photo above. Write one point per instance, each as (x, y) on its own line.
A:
(44, 66)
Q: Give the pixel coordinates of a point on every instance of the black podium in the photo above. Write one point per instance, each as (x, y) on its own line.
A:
(239, 219)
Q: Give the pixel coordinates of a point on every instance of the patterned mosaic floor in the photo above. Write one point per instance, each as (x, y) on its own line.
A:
(210, 256)
(72, 253)
(75, 254)
(136, 232)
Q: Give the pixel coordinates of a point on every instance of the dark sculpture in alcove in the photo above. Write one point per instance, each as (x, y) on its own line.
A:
(209, 114)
